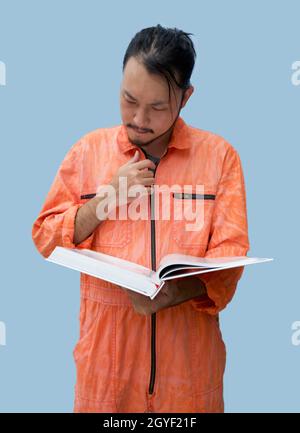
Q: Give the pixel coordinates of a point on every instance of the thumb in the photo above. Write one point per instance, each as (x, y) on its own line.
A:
(135, 157)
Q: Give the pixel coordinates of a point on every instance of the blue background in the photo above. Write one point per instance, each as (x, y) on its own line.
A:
(63, 62)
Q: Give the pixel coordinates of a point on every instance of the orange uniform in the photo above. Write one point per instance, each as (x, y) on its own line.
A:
(174, 360)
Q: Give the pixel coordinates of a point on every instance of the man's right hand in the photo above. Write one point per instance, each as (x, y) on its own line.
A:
(91, 213)
(137, 173)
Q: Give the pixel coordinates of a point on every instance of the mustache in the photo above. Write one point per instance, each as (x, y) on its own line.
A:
(143, 130)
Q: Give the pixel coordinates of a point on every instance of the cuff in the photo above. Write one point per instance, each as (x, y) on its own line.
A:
(220, 288)
(69, 228)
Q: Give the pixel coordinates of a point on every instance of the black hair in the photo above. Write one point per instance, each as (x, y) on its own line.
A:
(164, 51)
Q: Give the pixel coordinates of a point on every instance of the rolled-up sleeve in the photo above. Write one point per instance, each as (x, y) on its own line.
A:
(55, 223)
(228, 236)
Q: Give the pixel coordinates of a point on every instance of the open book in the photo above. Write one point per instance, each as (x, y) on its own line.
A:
(139, 278)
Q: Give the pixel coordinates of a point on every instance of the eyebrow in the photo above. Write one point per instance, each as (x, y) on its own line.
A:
(152, 103)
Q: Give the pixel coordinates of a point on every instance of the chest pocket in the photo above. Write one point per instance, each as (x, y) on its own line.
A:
(191, 218)
(111, 232)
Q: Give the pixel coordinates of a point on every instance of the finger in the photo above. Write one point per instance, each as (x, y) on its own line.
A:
(146, 173)
(135, 158)
(147, 181)
(142, 178)
(145, 163)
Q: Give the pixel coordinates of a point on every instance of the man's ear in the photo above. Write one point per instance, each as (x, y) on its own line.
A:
(187, 93)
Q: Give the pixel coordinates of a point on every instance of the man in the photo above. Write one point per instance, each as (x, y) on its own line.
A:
(135, 354)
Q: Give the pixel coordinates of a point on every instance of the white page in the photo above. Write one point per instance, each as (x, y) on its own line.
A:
(121, 263)
(203, 270)
(207, 262)
(113, 269)
(180, 268)
(139, 278)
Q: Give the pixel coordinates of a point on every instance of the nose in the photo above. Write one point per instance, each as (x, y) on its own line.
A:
(141, 119)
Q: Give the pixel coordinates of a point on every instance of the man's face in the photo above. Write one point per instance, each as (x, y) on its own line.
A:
(146, 109)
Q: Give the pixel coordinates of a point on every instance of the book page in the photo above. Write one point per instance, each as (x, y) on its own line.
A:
(171, 262)
(115, 261)
(118, 271)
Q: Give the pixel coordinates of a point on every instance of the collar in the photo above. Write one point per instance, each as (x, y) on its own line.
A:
(180, 138)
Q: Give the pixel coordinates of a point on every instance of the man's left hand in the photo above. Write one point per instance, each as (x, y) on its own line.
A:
(172, 293)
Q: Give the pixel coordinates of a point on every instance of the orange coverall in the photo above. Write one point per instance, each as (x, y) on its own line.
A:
(174, 360)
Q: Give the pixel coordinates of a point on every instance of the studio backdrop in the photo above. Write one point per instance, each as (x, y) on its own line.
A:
(60, 75)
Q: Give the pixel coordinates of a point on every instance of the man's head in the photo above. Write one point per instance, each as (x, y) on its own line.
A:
(157, 67)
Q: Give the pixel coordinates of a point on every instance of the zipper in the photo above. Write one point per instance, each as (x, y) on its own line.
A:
(153, 267)
(153, 316)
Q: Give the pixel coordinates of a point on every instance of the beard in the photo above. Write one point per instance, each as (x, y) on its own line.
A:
(140, 143)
